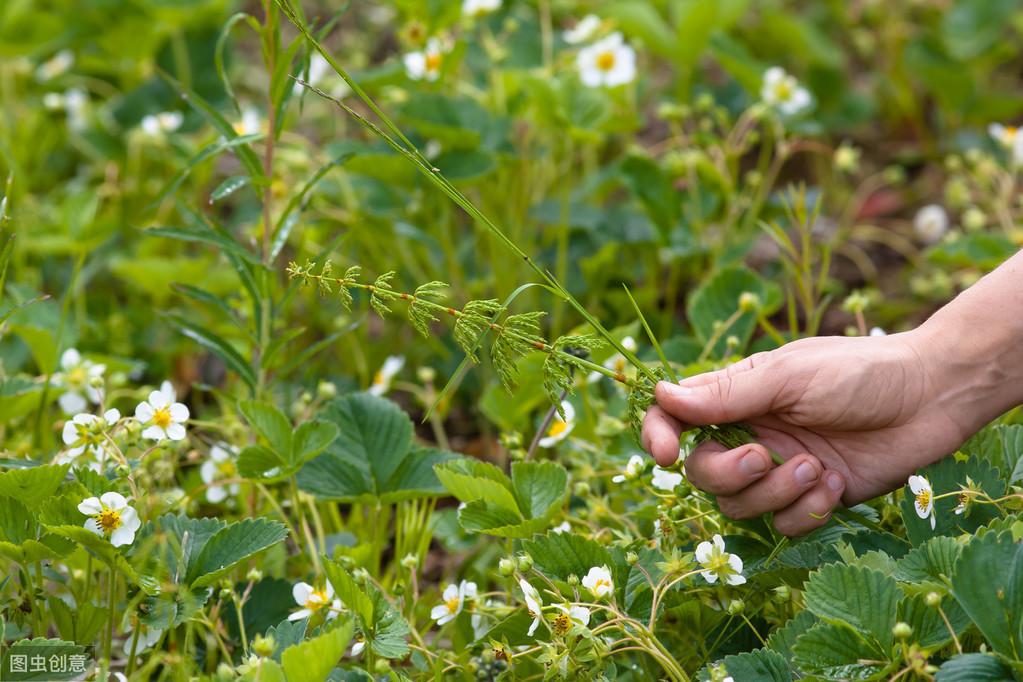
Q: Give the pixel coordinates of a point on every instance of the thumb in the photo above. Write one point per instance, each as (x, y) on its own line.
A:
(730, 395)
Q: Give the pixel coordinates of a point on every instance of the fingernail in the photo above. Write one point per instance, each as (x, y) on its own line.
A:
(835, 481)
(806, 473)
(752, 464)
(675, 389)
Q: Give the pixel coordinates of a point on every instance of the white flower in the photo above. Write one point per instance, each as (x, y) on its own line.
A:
(877, 331)
(162, 417)
(783, 92)
(76, 101)
(1009, 138)
(559, 428)
(562, 527)
(633, 469)
(219, 466)
(607, 63)
(924, 498)
(319, 67)
(598, 581)
(617, 362)
(717, 563)
(358, 647)
(313, 600)
(426, 64)
(385, 375)
(583, 30)
(534, 605)
(665, 479)
(111, 517)
(86, 432)
(251, 121)
(165, 122)
(55, 65)
(475, 8)
(569, 616)
(77, 377)
(930, 223)
(454, 597)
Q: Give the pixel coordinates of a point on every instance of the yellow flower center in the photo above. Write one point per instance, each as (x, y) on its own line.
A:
(109, 520)
(783, 90)
(317, 599)
(718, 563)
(378, 378)
(923, 499)
(557, 428)
(433, 60)
(452, 605)
(227, 468)
(78, 376)
(562, 623)
(162, 417)
(601, 585)
(606, 61)
(1010, 133)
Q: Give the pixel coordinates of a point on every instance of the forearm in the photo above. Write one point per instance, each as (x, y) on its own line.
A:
(973, 348)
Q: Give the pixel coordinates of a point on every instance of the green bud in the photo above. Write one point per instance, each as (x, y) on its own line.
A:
(264, 646)
(123, 471)
(782, 593)
(749, 302)
(524, 562)
(974, 219)
(572, 579)
(631, 558)
(933, 599)
(847, 158)
(705, 102)
(398, 589)
(382, 666)
(426, 375)
(306, 397)
(410, 561)
(254, 575)
(736, 606)
(225, 671)
(488, 655)
(506, 567)
(581, 489)
(325, 390)
(902, 630)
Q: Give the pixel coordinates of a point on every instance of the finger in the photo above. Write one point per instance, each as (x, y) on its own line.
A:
(729, 395)
(661, 432)
(813, 509)
(755, 360)
(779, 488)
(725, 472)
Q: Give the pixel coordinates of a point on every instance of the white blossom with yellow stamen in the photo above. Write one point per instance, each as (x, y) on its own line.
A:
(923, 500)
(161, 416)
(454, 598)
(719, 564)
(385, 375)
(156, 125)
(559, 428)
(221, 465)
(607, 63)
(111, 518)
(78, 377)
(783, 92)
(477, 8)
(534, 605)
(313, 600)
(425, 64)
(598, 581)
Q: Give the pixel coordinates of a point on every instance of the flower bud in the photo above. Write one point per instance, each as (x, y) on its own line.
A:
(306, 397)
(410, 561)
(254, 575)
(264, 646)
(933, 599)
(524, 562)
(782, 593)
(749, 302)
(902, 630)
(631, 558)
(426, 375)
(382, 666)
(506, 567)
(581, 489)
(705, 102)
(974, 219)
(325, 390)
(225, 672)
(123, 471)
(847, 158)
(572, 579)
(736, 606)
(398, 589)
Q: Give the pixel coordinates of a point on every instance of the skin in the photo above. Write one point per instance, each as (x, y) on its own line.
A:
(853, 418)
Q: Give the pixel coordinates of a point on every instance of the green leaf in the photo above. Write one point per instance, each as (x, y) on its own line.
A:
(349, 592)
(834, 652)
(229, 187)
(232, 545)
(383, 627)
(988, 583)
(312, 438)
(32, 487)
(415, 476)
(218, 346)
(271, 424)
(974, 668)
(540, 487)
(16, 523)
(716, 302)
(931, 565)
(865, 599)
(762, 665)
(470, 480)
(257, 461)
(929, 629)
(783, 639)
(559, 555)
(313, 659)
(97, 546)
(373, 430)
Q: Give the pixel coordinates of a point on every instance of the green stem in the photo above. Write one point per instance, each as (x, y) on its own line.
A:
(110, 624)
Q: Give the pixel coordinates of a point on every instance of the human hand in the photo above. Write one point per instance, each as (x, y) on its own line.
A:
(852, 417)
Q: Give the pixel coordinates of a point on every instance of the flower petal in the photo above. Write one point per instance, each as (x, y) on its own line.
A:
(90, 506)
(113, 501)
(178, 412)
(301, 592)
